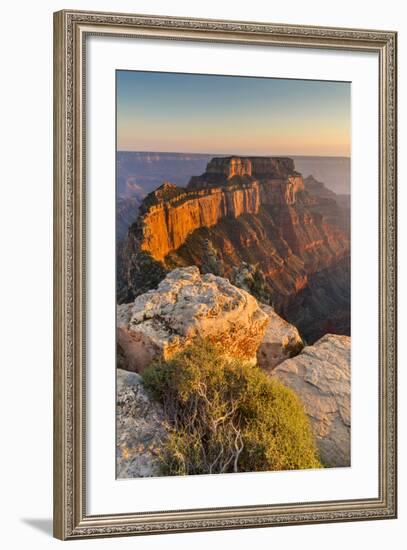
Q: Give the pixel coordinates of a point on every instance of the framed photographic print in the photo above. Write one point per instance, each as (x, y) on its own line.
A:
(225, 274)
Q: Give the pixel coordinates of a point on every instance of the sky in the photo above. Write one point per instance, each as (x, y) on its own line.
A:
(191, 113)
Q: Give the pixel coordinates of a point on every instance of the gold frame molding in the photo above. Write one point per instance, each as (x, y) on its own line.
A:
(70, 31)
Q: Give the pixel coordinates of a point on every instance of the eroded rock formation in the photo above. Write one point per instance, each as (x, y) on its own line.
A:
(320, 375)
(230, 187)
(235, 166)
(187, 305)
(220, 168)
(173, 214)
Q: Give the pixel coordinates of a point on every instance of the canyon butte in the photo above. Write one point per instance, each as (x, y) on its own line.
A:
(258, 223)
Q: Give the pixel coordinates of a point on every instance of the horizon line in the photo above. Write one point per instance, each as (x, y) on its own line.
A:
(228, 154)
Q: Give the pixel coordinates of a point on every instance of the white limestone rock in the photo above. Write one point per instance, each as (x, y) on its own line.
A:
(141, 428)
(320, 375)
(187, 305)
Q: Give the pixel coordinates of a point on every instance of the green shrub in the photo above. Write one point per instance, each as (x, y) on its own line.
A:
(227, 416)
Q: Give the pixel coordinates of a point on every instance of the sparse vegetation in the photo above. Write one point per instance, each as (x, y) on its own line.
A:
(252, 279)
(227, 416)
(210, 260)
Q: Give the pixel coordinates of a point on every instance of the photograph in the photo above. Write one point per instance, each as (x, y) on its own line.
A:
(201, 214)
(224, 286)
(233, 274)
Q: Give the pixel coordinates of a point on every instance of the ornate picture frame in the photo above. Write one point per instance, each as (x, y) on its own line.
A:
(71, 31)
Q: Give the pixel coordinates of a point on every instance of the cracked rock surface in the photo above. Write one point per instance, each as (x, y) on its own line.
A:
(141, 428)
(320, 375)
(187, 305)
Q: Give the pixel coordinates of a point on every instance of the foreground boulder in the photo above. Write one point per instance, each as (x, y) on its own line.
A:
(187, 305)
(140, 428)
(320, 375)
(281, 341)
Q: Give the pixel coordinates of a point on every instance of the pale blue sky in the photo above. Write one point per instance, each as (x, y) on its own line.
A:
(224, 114)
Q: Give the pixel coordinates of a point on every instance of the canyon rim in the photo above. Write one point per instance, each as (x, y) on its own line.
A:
(233, 285)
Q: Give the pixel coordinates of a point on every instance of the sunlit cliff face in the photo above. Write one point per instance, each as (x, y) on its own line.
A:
(250, 166)
(234, 166)
(175, 213)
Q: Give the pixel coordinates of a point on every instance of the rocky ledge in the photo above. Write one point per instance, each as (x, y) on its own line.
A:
(187, 305)
(320, 375)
